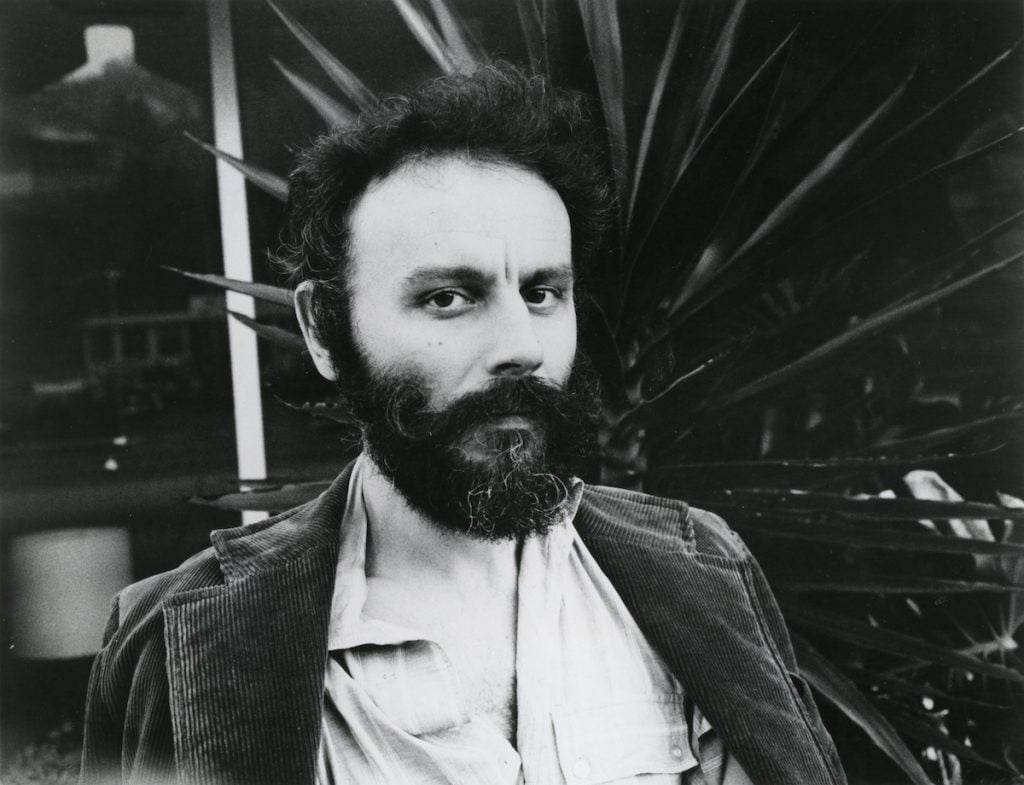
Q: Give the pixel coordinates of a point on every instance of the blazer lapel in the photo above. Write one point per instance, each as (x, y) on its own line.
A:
(698, 611)
(246, 659)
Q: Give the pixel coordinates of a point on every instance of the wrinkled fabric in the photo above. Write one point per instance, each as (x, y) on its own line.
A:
(214, 672)
(592, 696)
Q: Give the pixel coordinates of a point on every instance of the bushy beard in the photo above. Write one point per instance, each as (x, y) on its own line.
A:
(495, 464)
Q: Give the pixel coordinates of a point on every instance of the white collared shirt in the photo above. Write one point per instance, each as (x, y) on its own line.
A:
(594, 701)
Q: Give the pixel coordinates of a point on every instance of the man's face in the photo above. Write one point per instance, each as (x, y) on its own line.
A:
(462, 315)
(461, 272)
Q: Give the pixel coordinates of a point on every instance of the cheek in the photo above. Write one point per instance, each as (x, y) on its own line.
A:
(560, 340)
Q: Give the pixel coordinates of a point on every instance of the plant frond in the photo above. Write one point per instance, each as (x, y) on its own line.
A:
(428, 36)
(890, 584)
(601, 27)
(462, 50)
(869, 507)
(861, 633)
(263, 179)
(333, 113)
(785, 526)
(283, 497)
(855, 335)
(350, 85)
(833, 685)
(278, 336)
(260, 291)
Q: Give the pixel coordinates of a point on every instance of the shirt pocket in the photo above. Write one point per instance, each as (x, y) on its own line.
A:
(616, 741)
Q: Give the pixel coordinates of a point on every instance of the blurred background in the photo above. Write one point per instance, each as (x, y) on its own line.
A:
(115, 389)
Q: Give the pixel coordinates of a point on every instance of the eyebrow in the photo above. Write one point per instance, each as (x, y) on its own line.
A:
(472, 276)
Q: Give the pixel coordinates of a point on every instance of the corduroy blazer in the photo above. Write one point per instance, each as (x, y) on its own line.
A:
(214, 672)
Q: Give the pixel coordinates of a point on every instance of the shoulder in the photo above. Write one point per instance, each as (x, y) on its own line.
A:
(658, 520)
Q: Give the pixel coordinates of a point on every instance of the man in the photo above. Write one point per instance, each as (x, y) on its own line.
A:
(458, 607)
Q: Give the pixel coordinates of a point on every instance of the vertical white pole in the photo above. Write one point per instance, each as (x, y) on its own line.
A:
(234, 230)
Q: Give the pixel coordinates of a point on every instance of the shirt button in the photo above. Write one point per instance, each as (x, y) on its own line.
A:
(677, 753)
(581, 768)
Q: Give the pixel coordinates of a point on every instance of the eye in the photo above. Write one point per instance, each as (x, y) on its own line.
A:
(447, 300)
(543, 297)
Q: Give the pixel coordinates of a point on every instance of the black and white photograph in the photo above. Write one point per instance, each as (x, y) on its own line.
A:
(511, 392)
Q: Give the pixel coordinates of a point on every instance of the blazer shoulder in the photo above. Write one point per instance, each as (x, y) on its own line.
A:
(139, 600)
(656, 517)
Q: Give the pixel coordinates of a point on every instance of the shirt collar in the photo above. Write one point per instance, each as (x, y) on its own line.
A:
(348, 626)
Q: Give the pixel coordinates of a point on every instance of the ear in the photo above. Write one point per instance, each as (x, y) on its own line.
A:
(304, 315)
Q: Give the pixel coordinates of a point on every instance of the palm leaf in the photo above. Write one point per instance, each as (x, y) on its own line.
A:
(334, 412)
(278, 336)
(872, 678)
(333, 113)
(260, 291)
(428, 37)
(711, 85)
(532, 22)
(787, 527)
(822, 176)
(860, 633)
(283, 497)
(834, 686)
(873, 507)
(889, 584)
(263, 179)
(349, 84)
(716, 176)
(925, 441)
(601, 28)
(855, 335)
(931, 735)
(462, 51)
(668, 57)
(957, 94)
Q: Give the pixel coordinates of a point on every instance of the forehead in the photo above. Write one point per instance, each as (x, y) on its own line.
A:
(450, 210)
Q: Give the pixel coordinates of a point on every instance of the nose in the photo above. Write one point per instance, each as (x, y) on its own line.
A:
(516, 348)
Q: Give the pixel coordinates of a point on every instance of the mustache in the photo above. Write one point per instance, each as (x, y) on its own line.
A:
(409, 414)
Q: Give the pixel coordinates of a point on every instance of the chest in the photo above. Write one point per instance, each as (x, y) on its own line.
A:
(476, 638)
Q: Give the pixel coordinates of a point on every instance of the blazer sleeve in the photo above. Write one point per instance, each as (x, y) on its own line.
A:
(101, 747)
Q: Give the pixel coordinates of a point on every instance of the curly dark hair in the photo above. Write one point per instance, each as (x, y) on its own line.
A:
(498, 114)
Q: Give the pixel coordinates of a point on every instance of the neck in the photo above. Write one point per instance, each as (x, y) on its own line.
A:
(404, 544)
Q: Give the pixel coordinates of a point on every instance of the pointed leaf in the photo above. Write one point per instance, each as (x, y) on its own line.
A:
(428, 36)
(713, 262)
(855, 335)
(277, 499)
(932, 736)
(604, 38)
(719, 60)
(939, 436)
(668, 57)
(908, 128)
(263, 179)
(891, 584)
(873, 507)
(454, 35)
(874, 679)
(279, 336)
(747, 117)
(869, 536)
(261, 291)
(333, 113)
(334, 412)
(532, 22)
(349, 84)
(860, 633)
(835, 687)
(846, 220)
(818, 463)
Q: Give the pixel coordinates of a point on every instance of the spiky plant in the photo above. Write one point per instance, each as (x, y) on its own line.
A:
(770, 321)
